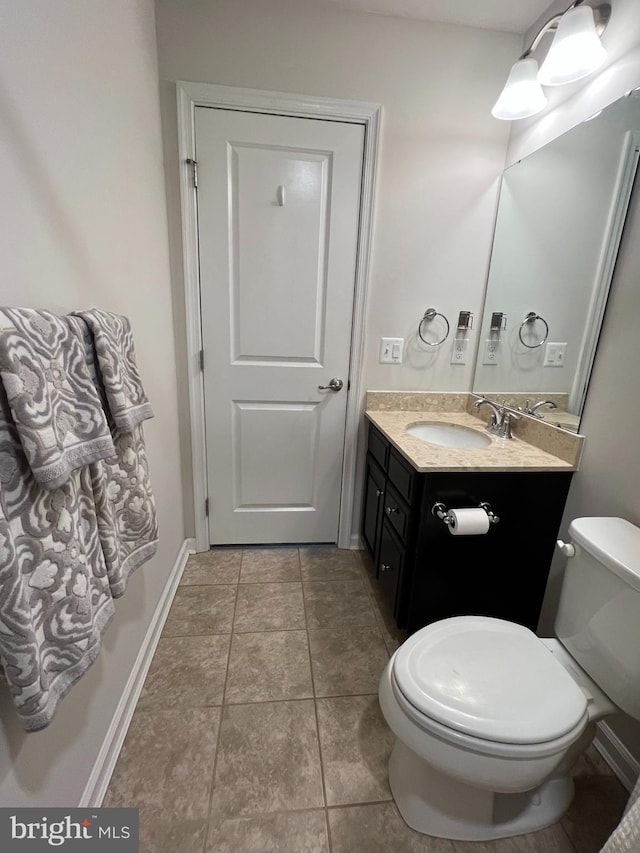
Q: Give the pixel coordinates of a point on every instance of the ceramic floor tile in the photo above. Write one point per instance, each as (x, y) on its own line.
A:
(355, 743)
(268, 666)
(328, 563)
(268, 760)
(269, 565)
(201, 610)
(157, 836)
(186, 672)
(165, 767)
(378, 829)
(269, 607)
(347, 661)
(288, 832)
(337, 603)
(595, 763)
(220, 565)
(550, 840)
(596, 809)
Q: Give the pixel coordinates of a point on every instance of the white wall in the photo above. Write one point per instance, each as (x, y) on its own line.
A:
(608, 482)
(442, 152)
(83, 223)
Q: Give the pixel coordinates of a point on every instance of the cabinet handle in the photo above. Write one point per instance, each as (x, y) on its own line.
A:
(385, 567)
(391, 509)
(379, 493)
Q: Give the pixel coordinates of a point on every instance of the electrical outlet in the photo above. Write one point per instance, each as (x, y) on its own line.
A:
(459, 352)
(555, 355)
(391, 350)
(491, 351)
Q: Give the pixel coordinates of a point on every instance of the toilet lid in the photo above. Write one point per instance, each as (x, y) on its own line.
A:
(488, 678)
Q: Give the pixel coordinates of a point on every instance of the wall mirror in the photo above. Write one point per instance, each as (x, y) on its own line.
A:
(560, 220)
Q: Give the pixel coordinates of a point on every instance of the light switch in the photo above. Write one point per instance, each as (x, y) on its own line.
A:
(555, 355)
(391, 350)
(491, 351)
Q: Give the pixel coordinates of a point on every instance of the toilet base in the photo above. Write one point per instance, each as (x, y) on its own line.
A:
(438, 805)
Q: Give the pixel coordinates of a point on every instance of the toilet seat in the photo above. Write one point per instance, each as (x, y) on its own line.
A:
(488, 679)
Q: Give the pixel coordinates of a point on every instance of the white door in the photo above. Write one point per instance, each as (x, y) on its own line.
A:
(278, 207)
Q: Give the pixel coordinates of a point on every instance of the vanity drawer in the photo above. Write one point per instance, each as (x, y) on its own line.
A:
(397, 512)
(402, 475)
(378, 447)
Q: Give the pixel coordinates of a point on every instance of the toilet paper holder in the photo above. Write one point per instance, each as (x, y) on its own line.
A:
(440, 511)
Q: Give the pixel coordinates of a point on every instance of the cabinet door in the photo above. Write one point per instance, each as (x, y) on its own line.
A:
(373, 502)
(390, 566)
(502, 573)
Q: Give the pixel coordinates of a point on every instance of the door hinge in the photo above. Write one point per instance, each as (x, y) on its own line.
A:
(194, 165)
(201, 357)
(206, 507)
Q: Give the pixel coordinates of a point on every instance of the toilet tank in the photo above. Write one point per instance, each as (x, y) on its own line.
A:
(598, 619)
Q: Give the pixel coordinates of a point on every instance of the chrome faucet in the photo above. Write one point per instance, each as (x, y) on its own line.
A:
(497, 414)
(534, 409)
(500, 420)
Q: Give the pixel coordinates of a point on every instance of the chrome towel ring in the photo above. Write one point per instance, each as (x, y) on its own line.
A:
(431, 314)
(529, 320)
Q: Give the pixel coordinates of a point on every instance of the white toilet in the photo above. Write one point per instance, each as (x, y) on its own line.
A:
(489, 719)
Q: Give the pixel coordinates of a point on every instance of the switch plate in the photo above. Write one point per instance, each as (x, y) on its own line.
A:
(555, 355)
(459, 351)
(491, 351)
(391, 350)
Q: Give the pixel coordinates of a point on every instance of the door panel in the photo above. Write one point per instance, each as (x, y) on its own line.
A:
(278, 207)
(278, 237)
(275, 455)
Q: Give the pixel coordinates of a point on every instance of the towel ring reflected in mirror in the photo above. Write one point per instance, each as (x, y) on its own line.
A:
(431, 314)
(529, 320)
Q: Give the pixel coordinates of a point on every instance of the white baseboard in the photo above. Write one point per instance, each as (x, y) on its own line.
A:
(98, 782)
(617, 756)
(357, 542)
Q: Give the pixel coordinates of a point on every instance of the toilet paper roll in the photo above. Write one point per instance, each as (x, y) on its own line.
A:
(468, 522)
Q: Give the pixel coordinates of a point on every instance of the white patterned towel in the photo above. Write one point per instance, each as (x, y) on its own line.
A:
(55, 599)
(118, 370)
(57, 413)
(124, 502)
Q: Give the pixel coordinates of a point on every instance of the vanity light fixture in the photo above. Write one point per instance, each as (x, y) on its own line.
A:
(575, 52)
(522, 95)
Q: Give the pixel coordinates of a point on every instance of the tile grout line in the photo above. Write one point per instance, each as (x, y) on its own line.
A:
(315, 711)
(572, 844)
(222, 707)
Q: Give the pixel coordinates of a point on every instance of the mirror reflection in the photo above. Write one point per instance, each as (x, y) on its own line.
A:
(560, 220)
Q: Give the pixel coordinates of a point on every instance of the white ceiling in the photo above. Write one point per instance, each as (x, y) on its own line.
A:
(514, 16)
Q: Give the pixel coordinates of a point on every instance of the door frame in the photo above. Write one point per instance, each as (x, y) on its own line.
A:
(190, 96)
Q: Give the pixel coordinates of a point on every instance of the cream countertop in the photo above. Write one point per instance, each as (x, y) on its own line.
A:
(501, 455)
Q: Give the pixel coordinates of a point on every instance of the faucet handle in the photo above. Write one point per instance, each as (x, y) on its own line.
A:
(505, 424)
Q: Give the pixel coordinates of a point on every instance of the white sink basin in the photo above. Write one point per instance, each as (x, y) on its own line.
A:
(449, 435)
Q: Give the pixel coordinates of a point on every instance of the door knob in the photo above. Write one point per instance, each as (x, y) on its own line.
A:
(335, 384)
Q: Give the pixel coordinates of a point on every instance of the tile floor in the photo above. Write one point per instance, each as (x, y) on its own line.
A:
(259, 731)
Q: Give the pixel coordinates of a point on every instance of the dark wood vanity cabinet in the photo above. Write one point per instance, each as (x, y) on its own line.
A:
(426, 573)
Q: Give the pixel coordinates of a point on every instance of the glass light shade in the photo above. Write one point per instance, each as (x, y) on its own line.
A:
(576, 50)
(522, 95)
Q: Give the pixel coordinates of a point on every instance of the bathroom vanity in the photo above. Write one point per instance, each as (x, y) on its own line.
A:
(426, 573)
